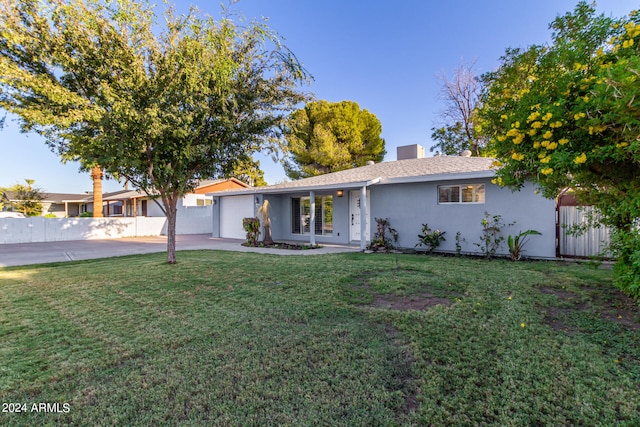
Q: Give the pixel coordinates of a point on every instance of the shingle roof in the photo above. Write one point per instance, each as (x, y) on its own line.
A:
(52, 197)
(424, 169)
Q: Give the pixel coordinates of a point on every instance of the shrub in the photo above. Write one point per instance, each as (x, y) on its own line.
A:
(491, 238)
(430, 238)
(86, 215)
(626, 248)
(516, 243)
(383, 236)
(252, 227)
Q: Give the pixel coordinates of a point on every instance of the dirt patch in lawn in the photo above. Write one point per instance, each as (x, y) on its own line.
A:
(609, 304)
(416, 290)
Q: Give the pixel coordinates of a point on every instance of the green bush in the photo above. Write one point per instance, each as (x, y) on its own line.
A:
(430, 238)
(516, 243)
(252, 227)
(626, 248)
(382, 239)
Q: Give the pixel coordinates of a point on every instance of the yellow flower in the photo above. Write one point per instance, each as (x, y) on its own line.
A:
(580, 159)
(545, 144)
(627, 43)
(552, 146)
(515, 124)
(513, 132)
(522, 325)
(501, 138)
(579, 116)
(541, 155)
(547, 117)
(535, 107)
(536, 144)
(632, 29)
(596, 129)
(518, 139)
(532, 132)
(585, 98)
(517, 157)
(547, 135)
(503, 117)
(547, 171)
(622, 145)
(510, 298)
(555, 124)
(536, 125)
(533, 116)
(496, 164)
(563, 141)
(546, 159)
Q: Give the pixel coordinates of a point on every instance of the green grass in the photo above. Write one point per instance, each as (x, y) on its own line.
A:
(237, 339)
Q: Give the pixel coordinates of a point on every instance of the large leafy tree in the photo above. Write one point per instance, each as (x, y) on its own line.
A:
(327, 137)
(163, 105)
(460, 95)
(27, 198)
(567, 115)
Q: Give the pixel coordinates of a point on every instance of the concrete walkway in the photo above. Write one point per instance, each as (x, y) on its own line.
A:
(42, 253)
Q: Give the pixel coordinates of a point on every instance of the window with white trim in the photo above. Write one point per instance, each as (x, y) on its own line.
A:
(301, 215)
(466, 193)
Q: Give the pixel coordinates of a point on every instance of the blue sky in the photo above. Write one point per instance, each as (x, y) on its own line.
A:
(383, 55)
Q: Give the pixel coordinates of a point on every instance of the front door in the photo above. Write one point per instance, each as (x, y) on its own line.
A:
(354, 214)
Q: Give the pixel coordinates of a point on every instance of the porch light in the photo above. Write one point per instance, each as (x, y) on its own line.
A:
(340, 193)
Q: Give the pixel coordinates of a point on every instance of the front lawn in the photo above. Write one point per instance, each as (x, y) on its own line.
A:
(238, 339)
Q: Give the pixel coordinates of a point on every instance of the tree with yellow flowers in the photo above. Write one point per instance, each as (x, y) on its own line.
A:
(567, 115)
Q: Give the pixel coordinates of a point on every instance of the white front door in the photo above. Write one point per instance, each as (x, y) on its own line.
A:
(354, 212)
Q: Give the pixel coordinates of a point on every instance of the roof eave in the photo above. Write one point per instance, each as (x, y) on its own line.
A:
(439, 177)
(284, 190)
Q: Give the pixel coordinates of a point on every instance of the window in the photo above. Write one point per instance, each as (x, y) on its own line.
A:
(301, 215)
(204, 202)
(467, 193)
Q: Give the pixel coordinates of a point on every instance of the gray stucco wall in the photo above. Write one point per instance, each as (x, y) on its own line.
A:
(408, 206)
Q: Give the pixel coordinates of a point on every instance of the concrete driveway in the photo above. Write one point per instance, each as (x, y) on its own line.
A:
(42, 253)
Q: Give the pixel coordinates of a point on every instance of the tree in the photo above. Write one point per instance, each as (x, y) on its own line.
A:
(96, 178)
(28, 199)
(567, 115)
(248, 171)
(163, 106)
(460, 95)
(326, 137)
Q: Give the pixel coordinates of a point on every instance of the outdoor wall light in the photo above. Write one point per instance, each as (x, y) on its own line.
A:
(257, 200)
(340, 193)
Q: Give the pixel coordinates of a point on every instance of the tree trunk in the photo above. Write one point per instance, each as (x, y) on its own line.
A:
(172, 213)
(267, 240)
(96, 175)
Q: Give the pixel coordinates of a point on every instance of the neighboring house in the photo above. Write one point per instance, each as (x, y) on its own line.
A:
(448, 192)
(130, 203)
(59, 204)
(124, 203)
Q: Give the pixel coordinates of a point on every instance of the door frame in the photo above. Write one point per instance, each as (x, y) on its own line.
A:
(352, 195)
